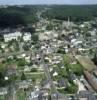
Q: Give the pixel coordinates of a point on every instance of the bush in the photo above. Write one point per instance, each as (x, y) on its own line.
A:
(21, 62)
(33, 70)
(23, 77)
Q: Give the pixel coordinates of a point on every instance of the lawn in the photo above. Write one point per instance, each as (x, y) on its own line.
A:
(2, 98)
(76, 68)
(21, 95)
(35, 75)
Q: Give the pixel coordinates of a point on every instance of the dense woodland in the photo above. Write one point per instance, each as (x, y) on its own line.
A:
(75, 12)
(14, 16)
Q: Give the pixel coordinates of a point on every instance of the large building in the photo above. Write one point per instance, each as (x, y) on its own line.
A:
(10, 36)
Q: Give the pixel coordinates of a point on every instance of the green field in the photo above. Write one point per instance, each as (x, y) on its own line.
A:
(21, 95)
(76, 68)
(2, 98)
(35, 75)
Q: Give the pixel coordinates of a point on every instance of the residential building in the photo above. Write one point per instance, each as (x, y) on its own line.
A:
(27, 37)
(9, 36)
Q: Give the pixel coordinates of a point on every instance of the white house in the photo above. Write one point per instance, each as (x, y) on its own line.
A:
(34, 95)
(27, 37)
(55, 74)
(73, 40)
(3, 46)
(27, 58)
(24, 84)
(10, 36)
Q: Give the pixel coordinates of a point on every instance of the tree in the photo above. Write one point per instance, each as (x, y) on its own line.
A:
(12, 79)
(61, 51)
(1, 79)
(95, 58)
(33, 70)
(13, 17)
(1, 38)
(21, 62)
(26, 47)
(49, 27)
(63, 12)
(72, 89)
(29, 29)
(23, 77)
(34, 37)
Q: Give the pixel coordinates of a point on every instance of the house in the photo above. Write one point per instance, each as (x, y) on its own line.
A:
(27, 69)
(78, 42)
(21, 55)
(43, 94)
(55, 74)
(62, 83)
(34, 95)
(46, 84)
(86, 95)
(27, 37)
(23, 84)
(3, 46)
(28, 59)
(58, 96)
(62, 66)
(6, 78)
(51, 69)
(10, 36)
(66, 50)
(72, 77)
(3, 91)
(82, 26)
(38, 95)
(11, 70)
(73, 40)
(80, 85)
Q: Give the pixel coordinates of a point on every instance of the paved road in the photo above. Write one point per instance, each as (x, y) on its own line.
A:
(11, 93)
(48, 76)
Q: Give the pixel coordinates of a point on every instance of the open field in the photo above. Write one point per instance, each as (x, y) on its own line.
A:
(86, 63)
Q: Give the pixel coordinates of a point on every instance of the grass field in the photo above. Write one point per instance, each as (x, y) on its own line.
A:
(36, 75)
(86, 63)
(21, 95)
(76, 68)
(2, 98)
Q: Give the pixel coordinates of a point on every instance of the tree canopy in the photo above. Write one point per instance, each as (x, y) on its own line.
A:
(75, 12)
(14, 16)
